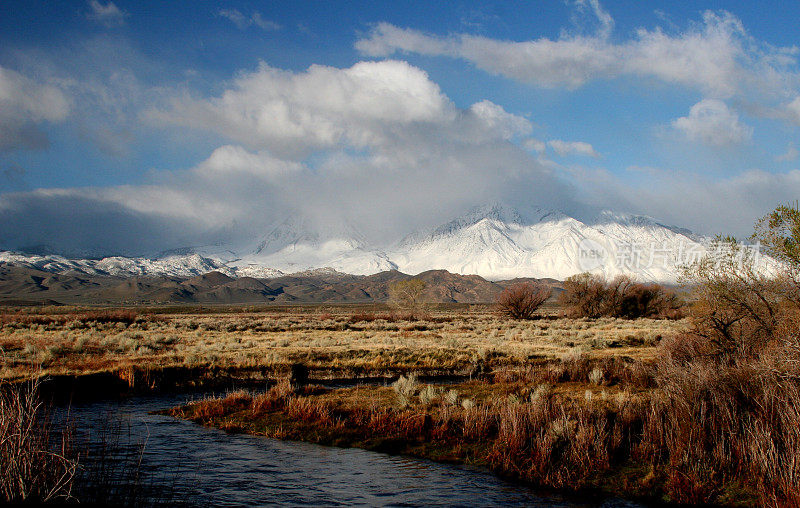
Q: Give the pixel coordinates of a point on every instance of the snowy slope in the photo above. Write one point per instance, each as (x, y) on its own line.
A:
(171, 266)
(298, 244)
(495, 241)
(176, 265)
(498, 242)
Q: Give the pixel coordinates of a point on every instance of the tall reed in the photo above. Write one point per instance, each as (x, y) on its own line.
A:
(36, 465)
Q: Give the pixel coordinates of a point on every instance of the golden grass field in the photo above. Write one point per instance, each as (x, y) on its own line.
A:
(603, 404)
(330, 341)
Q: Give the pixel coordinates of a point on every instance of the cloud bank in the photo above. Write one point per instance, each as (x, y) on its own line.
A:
(24, 106)
(379, 147)
(717, 56)
(376, 145)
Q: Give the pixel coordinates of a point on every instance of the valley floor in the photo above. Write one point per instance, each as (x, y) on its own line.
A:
(332, 342)
(570, 404)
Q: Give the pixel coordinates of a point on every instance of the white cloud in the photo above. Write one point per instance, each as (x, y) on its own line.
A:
(499, 120)
(34, 101)
(569, 62)
(108, 15)
(601, 16)
(790, 155)
(243, 22)
(711, 122)
(385, 107)
(564, 148)
(717, 56)
(292, 114)
(790, 111)
(377, 145)
(24, 105)
(534, 145)
(107, 82)
(706, 205)
(230, 161)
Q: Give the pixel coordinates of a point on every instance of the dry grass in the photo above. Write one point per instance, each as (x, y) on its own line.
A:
(690, 428)
(627, 432)
(33, 469)
(551, 436)
(329, 341)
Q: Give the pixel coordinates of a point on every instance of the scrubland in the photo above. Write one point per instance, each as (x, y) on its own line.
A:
(331, 341)
(625, 406)
(484, 358)
(621, 412)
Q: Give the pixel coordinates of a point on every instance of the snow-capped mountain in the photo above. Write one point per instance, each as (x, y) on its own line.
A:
(495, 241)
(187, 265)
(298, 244)
(499, 242)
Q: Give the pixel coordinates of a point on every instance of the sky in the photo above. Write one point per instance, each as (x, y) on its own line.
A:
(135, 127)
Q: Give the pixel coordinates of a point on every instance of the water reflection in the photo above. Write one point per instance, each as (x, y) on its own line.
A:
(204, 466)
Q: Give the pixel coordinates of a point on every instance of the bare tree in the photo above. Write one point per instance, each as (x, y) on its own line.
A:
(584, 295)
(407, 294)
(738, 305)
(587, 295)
(521, 301)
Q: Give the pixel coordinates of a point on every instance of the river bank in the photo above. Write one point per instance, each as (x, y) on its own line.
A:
(202, 466)
(575, 426)
(602, 405)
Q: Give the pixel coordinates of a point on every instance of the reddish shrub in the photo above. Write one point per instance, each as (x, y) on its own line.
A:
(521, 301)
(108, 316)
(591, 296)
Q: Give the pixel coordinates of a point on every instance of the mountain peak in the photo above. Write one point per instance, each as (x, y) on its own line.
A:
(636, 220)
(300, 229)
(495, 241)
(496, 211)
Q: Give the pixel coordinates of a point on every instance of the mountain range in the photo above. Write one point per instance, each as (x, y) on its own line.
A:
(495, 242)
(29, 286)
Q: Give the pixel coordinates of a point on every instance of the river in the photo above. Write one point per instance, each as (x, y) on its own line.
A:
(206, 467)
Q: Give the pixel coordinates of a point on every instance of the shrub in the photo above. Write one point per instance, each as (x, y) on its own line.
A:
(109, 316)
(521, 301)
(738, 306)
(405, 387)
(541, 393)
(596, 376)
(584, 296)
(730, 392)
(591, 296)
(644, 300)
(720, 424)
(298, 375)
(364, 317)
(428, 394)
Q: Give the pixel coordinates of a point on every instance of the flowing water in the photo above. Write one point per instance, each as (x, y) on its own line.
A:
(203, 466)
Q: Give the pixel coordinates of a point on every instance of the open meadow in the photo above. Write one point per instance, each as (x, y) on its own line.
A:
(429, 383)
(332, 342)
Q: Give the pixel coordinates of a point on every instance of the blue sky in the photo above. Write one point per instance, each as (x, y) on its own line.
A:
(183, 123)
